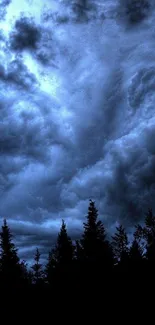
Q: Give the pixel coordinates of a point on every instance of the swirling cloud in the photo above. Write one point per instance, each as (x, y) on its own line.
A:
(76, 116)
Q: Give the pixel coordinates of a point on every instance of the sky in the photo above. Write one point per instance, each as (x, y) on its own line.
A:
(77, 94)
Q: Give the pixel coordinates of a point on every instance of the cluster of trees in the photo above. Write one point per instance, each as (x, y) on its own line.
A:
(87, 262)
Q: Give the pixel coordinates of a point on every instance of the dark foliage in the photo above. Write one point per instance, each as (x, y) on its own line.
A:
(10, 268)
(95, 247)
(82, 273)
(60, 258)
(120, 246)
(37, 269)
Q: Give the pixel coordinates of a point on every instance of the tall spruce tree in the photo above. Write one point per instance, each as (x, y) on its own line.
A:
(63, 252)
(10, 268)
(135, 251)
(25, 274)
(95, 248)
(78, 252)
(78, 262)
(50, 268)
(120, 245)
(61, 257)
(37, 269)
(146, 235)
(136, 255)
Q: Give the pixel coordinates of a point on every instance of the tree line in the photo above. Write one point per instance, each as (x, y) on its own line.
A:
(90, 259)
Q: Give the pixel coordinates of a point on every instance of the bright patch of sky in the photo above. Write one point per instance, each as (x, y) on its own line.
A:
(28, 8)
(48, 81)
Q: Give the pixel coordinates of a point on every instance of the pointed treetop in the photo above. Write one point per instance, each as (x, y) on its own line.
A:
(94, 247)
(136, 250)
(120, 242)
(63, 230)
(37, 267)
(4, 222)
(63, 250)
(63, 226)
(92, 213)
(37, 255)
(10, 266)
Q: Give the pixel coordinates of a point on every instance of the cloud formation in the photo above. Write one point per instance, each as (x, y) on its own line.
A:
(76, 117)
(25, 36)
(3, 8)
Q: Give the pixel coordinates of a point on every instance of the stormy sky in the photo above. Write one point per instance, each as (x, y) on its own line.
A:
(77, 95)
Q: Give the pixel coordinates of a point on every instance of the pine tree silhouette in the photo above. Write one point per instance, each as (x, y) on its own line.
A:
(60, 258)
(11, 272)
(139, 233)
(136, 263)
(78, 264)
(146, 235)
(136, 256)
(94, 244)
(50, 268)
(37, 269)
(64, 250)
(120, 246)
(26, 279)
(79, 254)
(135, 252)
(94, 252)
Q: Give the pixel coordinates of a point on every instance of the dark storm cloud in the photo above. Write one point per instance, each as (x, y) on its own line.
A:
(134, 11)
(95, 140)
(26, 35)
(20, 130)
(38, 40)
(17, 74)
(47, 51)
(132, 187)
(143, 84)
(118, 189)
(23, 138)
(122, 183)
(55, 17)
(83, 10)
(25, 134)
(75, 11)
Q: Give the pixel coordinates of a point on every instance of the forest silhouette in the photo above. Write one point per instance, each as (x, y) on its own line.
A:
(91, 268)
